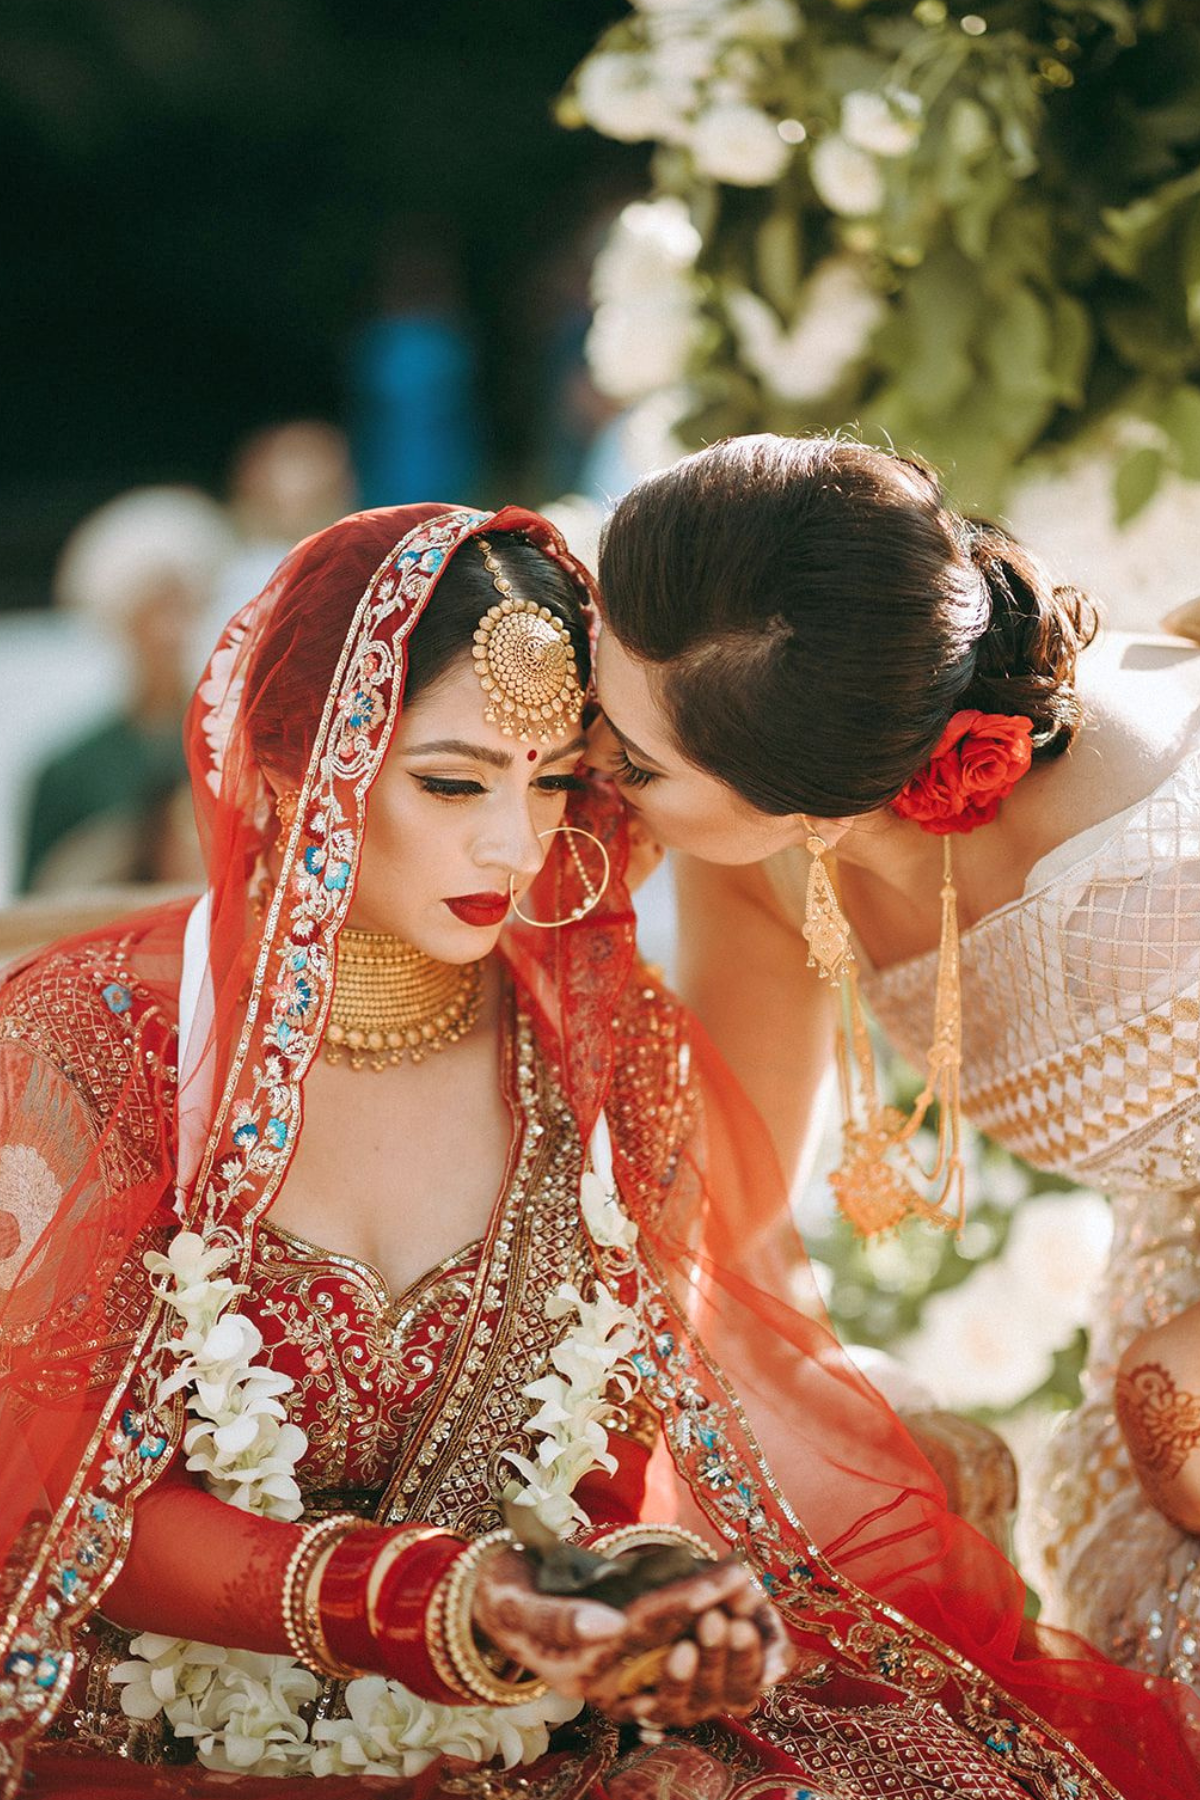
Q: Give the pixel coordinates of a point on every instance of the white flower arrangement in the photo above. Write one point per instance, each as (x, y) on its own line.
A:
(645, 321)
(847, 177)
(737, 143)
(588, 1363)
(827, 337)
(688, 76)
(1025, 307)
(991, 1340)
(244, 1710)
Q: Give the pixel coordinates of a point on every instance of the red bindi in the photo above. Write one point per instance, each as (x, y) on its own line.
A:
(531, 755)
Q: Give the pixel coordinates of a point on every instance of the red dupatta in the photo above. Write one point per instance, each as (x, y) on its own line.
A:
(775, 1442)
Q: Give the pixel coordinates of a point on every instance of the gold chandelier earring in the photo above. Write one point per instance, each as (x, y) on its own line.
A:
(876, 1181)
(825, 930)
(593, 893)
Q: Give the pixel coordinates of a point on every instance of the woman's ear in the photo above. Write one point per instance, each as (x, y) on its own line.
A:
(828, 830)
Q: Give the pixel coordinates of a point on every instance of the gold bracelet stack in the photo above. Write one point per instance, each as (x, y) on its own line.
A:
(301, 1594)
(435, 1643)
(450, 1634)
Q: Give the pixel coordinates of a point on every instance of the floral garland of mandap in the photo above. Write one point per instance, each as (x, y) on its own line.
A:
(243, 1710)
(969, 225)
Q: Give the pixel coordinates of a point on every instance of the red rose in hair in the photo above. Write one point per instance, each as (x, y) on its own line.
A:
(979, 758)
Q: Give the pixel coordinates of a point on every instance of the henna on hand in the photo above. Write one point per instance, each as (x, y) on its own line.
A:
(1161, 1424)
(710, 1683)
(730, 1655)
(749, 1665)
(667, 1614)
(566, 1642)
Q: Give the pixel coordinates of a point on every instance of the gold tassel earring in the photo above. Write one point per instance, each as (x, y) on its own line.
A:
(875, 1183)
(825, 930)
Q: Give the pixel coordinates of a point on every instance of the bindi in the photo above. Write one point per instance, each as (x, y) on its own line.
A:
(531, 756)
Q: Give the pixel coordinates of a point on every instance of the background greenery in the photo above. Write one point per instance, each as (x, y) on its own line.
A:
(1016, 182)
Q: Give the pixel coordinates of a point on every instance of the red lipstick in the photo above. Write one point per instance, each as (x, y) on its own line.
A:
(479, 909)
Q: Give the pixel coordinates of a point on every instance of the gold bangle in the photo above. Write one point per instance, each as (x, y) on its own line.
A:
(471, 1670)
(435, 1640)
(301, 1606)
(648, 1537)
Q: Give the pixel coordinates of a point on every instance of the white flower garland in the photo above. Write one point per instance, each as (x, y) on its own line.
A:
(243, 1710)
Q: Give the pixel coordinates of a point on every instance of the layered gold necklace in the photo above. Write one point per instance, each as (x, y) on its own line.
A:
(391, 1001)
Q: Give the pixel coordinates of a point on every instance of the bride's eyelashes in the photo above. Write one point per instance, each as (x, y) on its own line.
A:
(445, 787)
(630, 774)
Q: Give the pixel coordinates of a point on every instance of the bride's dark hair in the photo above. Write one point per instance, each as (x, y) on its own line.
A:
(294, 663)
(817, 612)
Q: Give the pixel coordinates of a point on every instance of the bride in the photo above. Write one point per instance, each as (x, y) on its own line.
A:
(382, 1187)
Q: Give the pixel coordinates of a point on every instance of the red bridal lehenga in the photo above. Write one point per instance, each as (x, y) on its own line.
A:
(915, 1675)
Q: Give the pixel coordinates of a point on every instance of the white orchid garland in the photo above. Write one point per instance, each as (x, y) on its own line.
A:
(244, 1711)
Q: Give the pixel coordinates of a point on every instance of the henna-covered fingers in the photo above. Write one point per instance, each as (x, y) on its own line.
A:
(746, 1671)
(710, 1683)
(569, 1643)
(670, 1702)
(778, 1651)
(720, 1669)
(669, 1613)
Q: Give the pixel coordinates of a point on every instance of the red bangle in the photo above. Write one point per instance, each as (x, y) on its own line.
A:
(398, 1610)
(375, 1591)
(342, 1597)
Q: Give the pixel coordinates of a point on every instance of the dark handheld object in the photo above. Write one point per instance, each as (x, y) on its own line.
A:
(562, 1568)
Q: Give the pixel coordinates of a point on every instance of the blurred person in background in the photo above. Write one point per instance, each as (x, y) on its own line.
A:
(103, 810)
(415, 421)
(286, 481)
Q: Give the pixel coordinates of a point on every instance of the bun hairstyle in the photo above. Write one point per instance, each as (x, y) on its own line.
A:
(1025, 660)
(293, 663)
(817, 613)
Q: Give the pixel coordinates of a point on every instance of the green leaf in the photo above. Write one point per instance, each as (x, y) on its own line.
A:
(1017, 345)
(1132, 232)
(1146, 338)
(1180, 419)
(1071, 354)
(1136, 481)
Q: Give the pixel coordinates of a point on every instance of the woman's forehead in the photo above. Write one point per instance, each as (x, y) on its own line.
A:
(448, 718)
(627, 690)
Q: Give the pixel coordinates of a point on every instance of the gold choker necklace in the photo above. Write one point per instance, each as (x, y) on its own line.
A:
(391, 1001)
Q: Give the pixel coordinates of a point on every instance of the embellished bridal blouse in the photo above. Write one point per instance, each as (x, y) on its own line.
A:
(1081, 1053)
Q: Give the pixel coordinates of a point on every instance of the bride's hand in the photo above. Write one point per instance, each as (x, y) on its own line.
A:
(565, 1641)
(709, 1643)
(724, 1645)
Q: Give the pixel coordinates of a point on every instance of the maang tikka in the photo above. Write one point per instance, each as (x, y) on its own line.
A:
(875, 1182)
(525, 662)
